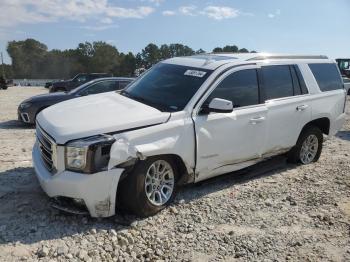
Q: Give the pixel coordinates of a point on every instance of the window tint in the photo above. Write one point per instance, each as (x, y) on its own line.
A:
(296, 84)
(301, 80)
(277, 81)
(167, 87)
(100, 87)
(327, 76)
(240, 87)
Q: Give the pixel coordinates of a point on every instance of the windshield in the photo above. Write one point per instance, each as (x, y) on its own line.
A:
(167, 87)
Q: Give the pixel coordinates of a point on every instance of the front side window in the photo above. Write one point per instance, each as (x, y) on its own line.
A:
(100, 87)
(240, 87)
(327, 76)
(167, 87)
(277, 81)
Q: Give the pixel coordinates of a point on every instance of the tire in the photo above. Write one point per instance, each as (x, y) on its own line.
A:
(136, 197)
(312, 149)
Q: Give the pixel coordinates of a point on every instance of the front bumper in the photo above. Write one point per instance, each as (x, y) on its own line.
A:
(97, 190)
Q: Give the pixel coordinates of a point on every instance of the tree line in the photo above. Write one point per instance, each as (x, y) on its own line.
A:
(32, 59)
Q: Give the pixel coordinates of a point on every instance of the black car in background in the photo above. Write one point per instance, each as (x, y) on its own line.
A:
(48, 84)
(79, 79)
(29, 108)
(344, 66)
(3, 83)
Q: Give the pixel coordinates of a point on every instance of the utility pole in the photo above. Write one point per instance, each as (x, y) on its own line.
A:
(2, 65)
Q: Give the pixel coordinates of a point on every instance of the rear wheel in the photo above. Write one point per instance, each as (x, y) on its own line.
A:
(150, 187)
(308, 148)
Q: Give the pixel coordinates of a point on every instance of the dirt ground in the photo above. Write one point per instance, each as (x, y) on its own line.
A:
(297, 213)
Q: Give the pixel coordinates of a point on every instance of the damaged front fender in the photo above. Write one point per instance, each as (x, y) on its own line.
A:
(173, 138)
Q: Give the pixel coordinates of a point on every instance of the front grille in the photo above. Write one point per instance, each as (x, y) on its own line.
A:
(47, 149)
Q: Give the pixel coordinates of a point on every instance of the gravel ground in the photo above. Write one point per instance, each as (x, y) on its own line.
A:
(283, 212)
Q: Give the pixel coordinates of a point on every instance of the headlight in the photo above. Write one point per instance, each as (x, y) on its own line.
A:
(25, 105)
(88, 155)
(76, 157)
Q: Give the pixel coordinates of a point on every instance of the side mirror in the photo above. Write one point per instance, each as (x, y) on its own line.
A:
(219, 105)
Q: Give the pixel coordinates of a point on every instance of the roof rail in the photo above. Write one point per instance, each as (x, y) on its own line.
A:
(287, 57)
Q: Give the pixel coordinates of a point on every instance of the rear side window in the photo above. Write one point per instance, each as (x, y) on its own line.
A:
(100, 87)
(240, 87)
(327, 76)
(278, 81)
(123, 84)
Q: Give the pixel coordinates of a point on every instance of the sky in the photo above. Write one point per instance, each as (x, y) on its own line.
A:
(280, 26)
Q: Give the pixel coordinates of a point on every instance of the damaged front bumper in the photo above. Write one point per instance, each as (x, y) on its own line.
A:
(98, 191)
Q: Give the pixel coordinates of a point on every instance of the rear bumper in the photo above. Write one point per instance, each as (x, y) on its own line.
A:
(97, 190)
(337, 124)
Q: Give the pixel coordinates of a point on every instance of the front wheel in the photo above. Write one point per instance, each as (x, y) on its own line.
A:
(308, 148)
(150, 187)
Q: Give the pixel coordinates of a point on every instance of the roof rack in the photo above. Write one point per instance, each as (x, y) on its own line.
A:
(287, 57)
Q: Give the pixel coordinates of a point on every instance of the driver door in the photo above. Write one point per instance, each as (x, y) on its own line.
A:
(230, 141)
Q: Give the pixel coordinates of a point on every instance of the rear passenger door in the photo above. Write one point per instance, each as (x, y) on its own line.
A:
(288, 106)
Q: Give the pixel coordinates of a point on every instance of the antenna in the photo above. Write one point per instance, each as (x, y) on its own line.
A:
(2, 65)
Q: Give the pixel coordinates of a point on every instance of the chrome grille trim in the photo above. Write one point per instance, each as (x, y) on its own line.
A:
(47, 148)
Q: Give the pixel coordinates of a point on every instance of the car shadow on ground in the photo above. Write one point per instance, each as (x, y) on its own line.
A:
(345, 135)
(26, 215)
(15, 124)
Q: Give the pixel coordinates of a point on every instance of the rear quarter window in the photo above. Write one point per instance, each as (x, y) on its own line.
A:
(327, 76)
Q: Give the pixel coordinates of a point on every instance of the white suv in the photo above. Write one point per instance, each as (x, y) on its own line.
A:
(185, 120)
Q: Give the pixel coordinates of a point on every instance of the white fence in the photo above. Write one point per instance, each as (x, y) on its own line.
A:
(32, 82)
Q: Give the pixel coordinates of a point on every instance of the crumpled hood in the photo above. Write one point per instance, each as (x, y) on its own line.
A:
(97, 114)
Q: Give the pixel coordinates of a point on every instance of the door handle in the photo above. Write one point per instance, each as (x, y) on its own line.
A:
(302, 107)
(257, 120)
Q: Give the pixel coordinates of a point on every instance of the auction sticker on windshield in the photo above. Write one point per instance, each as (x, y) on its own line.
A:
(195, 73)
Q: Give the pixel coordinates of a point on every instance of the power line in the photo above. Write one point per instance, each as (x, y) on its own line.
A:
(2, 65)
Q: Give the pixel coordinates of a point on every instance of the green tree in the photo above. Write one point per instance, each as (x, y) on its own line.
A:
(165, 52)
(31, 59)
(105, 58)
(150, 55)
(27, 57)
(243, 50)
(217, 50)
(177, 50)
(127, 65)
(200, 51)
(230, 49)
